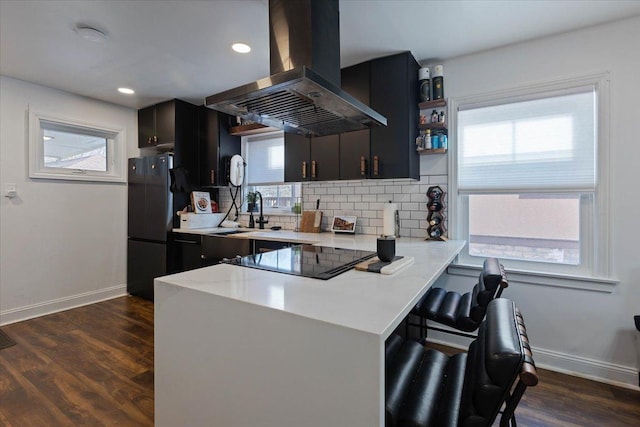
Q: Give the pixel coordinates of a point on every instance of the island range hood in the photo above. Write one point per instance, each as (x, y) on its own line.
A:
(303, 93)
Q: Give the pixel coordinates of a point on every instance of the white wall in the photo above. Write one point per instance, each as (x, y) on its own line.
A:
(590, 333)
(62, 243)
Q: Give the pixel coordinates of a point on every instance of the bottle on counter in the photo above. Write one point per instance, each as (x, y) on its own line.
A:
(425, 85)
(437, 83)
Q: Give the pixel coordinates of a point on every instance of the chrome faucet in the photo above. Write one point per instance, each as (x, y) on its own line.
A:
(261, 221)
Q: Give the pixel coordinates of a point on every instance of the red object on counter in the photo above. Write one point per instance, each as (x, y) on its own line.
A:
(214, 206)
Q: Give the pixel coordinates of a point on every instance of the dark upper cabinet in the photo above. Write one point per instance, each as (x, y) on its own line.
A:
(394, 94)
(311, 159)
(325, 159)
(147, 127)
(173, 124)
(389, 85)
(354, 146)
(157, 123)
(297, 151)
(216, 146)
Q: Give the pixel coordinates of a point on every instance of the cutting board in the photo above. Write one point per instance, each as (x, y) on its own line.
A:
(310, 222)
(374, 265)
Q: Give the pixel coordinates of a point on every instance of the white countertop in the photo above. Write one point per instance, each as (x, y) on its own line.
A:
(370, 302)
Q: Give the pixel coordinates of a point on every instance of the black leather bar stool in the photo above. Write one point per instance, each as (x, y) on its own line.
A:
(461, 312)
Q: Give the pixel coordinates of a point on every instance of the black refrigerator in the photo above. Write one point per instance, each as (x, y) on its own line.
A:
(152, 207)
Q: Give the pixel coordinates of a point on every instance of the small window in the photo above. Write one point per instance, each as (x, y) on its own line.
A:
(64, 149)
(264, 155)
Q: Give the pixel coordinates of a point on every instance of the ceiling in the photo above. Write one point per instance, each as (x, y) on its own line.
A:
(181, 49)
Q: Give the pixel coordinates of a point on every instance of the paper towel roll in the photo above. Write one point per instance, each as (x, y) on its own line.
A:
(389, 219)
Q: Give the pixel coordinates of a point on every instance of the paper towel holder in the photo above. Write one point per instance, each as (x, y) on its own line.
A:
(395, 222)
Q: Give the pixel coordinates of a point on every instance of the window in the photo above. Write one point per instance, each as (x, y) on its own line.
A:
(530, 177)
(65, 149)
(264, 155)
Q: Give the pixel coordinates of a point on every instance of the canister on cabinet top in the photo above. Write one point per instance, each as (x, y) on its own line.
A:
(438, 82)
(423, 79)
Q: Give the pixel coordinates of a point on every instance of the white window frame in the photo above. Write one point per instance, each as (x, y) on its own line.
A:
(594, 271)
(116, 150)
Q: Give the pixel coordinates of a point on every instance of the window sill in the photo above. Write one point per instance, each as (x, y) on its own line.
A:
(584, 283)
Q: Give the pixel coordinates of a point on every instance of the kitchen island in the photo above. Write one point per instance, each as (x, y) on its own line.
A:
(243, 347)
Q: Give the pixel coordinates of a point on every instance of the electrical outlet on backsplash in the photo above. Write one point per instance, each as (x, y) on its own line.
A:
(365, 200)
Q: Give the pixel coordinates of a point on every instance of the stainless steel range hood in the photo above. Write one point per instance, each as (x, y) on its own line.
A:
(303, 93)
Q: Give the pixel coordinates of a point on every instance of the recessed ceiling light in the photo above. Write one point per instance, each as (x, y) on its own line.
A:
(241, 47)
(126, 90)
(90, 33)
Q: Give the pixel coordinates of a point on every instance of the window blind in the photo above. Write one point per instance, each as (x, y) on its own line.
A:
(540, 144)
(265, 159)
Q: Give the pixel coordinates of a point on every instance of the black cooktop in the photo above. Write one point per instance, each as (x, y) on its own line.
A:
(318, 262)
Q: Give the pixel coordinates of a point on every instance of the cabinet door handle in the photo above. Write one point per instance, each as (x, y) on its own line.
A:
(213, 176)
(363, 165)
(313, 169)
(191, 242)
(149, 140)
(375, 165)
(155, 138)
(304, 169)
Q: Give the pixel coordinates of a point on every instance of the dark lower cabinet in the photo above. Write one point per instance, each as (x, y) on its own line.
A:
(262, 246)
(184, 252)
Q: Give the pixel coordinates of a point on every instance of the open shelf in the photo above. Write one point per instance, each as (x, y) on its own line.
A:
(250, 129)
(432, 151)
(434, 126)
(432, 104)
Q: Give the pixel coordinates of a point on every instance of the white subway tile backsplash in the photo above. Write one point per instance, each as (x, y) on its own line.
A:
(369, 214)
(410, 206)
(418, 197)
(365, 199)
(347, 190)
(409, 223)
(418, 214)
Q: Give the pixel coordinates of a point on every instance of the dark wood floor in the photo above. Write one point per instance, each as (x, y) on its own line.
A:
(93, 366)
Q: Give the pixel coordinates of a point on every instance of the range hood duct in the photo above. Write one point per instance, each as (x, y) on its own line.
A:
(303, 93)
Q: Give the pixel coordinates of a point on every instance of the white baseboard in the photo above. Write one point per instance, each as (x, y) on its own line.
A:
(61, 304)
(583, 367)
